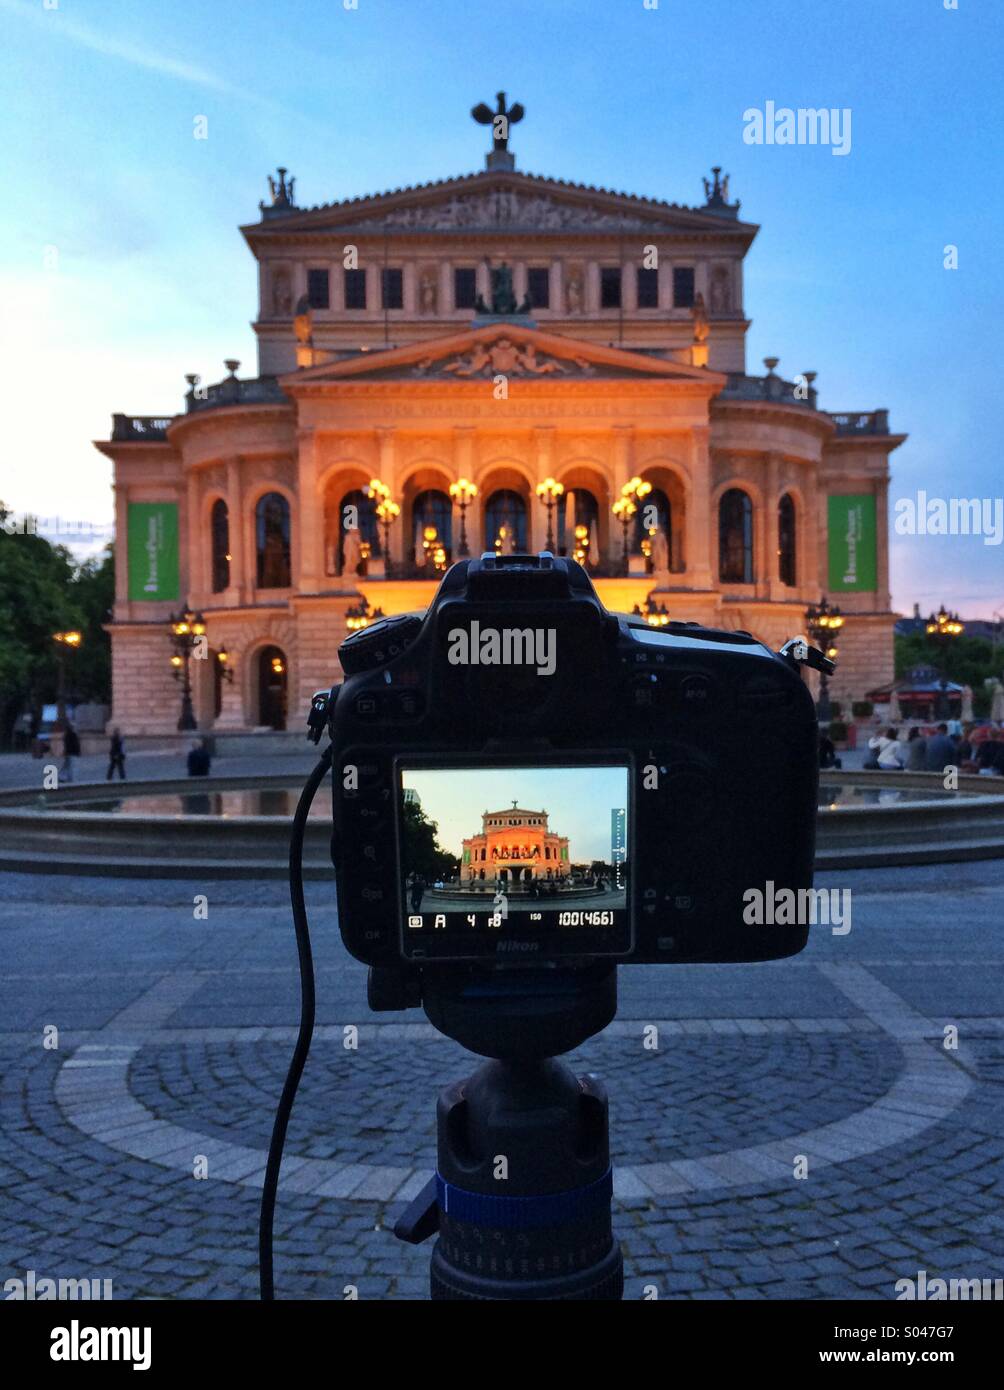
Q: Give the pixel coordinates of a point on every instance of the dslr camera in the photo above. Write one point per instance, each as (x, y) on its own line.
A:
(522, 778)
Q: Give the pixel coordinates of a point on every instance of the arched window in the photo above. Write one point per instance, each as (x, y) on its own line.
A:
(432, 510)
(219, 525)
(272, 673)
(272, 541)
(786, 552)
(505, 522)
(735, 537)
(365, 517)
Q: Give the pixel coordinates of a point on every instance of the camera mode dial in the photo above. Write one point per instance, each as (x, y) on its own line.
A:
(381, 642)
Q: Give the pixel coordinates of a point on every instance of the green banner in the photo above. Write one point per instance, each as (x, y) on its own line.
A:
(851, 543)
(153, 551)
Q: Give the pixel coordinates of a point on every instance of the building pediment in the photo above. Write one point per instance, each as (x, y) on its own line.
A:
(502, 349)
(494, 202)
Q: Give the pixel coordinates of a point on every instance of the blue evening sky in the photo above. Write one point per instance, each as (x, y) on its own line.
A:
(122, 268)
(578, 802)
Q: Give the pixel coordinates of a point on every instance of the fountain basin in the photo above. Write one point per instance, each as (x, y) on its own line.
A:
(238, 827)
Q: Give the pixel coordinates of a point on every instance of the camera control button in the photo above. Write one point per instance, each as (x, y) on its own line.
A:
(372, 893)
(695, 691)
(367, 706)
(408, 704)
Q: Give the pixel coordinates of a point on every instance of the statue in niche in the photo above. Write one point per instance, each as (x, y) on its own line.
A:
(699, 314)
(427, 294)
(660, 551)
(503, 297)
(720, 293)
(282, 294)
(573, 292)
(352, 551)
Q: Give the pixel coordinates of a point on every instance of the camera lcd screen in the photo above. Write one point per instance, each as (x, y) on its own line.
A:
(513, 852)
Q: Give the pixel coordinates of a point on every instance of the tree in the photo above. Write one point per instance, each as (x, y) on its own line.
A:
(36, 600)
(93, 591)
(965, 660)
(423, 854)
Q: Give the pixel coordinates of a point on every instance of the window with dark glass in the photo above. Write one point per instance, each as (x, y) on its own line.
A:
(735, 537)
(355, 289)
(465, 288)
(648, 288)
(654, 511)
(393, 288)
(786, 553)
(505, 522)
(610, 287)
(432, 511)
(318, 293)
(220, 529)
(538, 286)
(364, 519)
(683, 286)
(272, 541)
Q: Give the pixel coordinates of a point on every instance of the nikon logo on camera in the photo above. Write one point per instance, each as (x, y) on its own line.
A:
(506, 646)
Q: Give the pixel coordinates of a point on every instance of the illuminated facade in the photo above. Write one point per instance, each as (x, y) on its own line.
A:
(514, 846)
(496, 360)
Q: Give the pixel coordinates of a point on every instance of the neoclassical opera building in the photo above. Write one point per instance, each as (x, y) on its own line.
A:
(428, 358)
(514, 845)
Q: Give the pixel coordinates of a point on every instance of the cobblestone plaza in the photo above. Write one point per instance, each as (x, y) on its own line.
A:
(174, 1035)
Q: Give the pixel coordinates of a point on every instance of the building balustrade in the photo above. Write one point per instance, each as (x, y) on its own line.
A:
(861, 422)
(740, 387)
(139, 427)
(259, 390)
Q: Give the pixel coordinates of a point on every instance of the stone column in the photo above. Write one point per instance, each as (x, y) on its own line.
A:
(121, 552)
(536, 531)
(444, 308)
(883, 599)
(235, 525)
(623, 461)
(410, 288)
(307, 512)
(463, 463)
(700, 546)
(192, 566)
(558, 287)
(386, 474)
(771, 573)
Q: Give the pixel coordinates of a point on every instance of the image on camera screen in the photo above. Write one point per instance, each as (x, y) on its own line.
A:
(531, 848)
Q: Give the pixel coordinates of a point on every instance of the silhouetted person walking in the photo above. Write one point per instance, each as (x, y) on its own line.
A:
(116, 756)
(71, 750)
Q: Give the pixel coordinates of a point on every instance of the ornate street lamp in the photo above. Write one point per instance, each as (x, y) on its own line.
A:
(942, 629)
(387, 512)
(185, 630)
(655, 614)
(463, 492)
(360, 615)
(549, 491)
(824, 621)
(64, 640)
(624, 509)
(225, 670)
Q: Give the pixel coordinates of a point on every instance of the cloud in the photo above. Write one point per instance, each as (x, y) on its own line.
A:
(137, 55)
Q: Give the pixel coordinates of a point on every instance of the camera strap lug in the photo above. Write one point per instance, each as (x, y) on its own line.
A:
(420, 1218)
(799, 651)
(320, 712)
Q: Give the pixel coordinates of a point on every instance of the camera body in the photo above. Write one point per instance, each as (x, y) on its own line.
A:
(655, 775)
